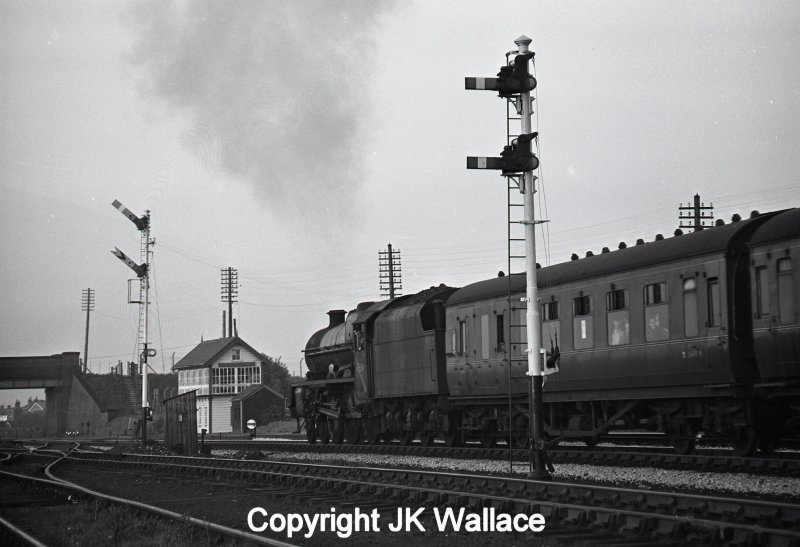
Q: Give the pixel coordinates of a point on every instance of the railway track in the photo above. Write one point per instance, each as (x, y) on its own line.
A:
(777, 464)
(573, 513)
(42, 510)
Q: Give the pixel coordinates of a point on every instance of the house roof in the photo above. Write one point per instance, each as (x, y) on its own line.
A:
(252, 390)
(207, 351)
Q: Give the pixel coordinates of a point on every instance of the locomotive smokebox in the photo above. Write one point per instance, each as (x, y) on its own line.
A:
(330, 346)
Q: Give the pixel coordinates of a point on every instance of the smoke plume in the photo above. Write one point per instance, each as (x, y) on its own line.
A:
(274, 89)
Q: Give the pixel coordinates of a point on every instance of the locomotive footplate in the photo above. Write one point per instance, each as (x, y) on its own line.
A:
(324, 382)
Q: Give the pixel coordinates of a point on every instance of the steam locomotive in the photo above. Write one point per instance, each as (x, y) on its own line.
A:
(695, 336)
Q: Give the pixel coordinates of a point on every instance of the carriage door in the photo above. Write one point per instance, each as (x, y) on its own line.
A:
(712, 308)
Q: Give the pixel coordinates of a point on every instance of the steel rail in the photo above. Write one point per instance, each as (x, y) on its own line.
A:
(55, 482)
(479, 488)
(635, 457)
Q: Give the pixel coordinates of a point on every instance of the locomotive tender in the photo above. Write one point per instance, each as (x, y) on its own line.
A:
(693, 335)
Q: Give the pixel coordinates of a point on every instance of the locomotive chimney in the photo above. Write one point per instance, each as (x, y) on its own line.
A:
(337, 317)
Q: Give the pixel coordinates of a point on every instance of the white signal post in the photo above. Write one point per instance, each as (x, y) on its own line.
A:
(143, 272)
(515, 81)
(538, 469)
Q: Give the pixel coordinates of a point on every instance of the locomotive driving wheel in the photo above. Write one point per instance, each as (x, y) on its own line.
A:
(353, 430)
(321, 428)
(311, 430)
(336, 428)
(372, 430)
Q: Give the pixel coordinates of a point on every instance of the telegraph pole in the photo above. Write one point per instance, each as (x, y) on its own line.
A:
(230, 288)
(143, 273)
(695, 213)
(87, 305)
(515, 81)
(390, 272)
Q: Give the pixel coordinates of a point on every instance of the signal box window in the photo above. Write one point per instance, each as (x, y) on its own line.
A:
(762, 292)
(785, 292)
(656, 313)
(714, 311)
(619, 325)
(236, 355)
(690, 320)
(582, 322)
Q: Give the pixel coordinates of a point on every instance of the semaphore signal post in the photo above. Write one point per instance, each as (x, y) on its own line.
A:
(515, 81)
(142, 271)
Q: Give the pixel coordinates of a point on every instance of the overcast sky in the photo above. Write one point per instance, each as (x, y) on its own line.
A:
(294, 140)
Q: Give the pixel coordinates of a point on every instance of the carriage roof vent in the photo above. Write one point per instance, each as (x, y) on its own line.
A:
(659, 237)
(574, 256)
(754, 213)
(622, 245)
(719, 222)
(678, 232)
(736, 217)
(640, 241)
(606, 250)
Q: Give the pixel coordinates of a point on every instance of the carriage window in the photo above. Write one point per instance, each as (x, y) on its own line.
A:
(655, 294)
(501, 333)
(617, 300)
(656, 313)
(785, 292)
(582, 305)
(619, 326)
(582, 323)
(690, 307)
(485, 336)
(551, 327)
(713, 303)
(462, 337)
(549, 311)
(762, 292)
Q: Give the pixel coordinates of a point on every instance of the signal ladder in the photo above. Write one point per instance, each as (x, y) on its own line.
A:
(515, 349)
(143, 250)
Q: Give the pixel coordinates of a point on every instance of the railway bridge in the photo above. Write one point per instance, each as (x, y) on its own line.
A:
(55, 374)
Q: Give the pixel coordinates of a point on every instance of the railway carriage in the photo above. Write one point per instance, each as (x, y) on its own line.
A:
(775, 298)
(653, 336)
(693, 335)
